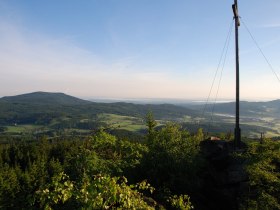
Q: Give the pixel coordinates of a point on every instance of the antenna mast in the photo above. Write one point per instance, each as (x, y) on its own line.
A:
(237, 131)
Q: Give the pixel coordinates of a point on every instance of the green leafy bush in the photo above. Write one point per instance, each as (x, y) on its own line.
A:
(263, 168)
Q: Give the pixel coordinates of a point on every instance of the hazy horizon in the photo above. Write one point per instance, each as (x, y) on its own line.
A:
(156, 100)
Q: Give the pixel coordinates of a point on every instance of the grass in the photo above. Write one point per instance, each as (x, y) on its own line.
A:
(123, 122)
(22, 128)
(136, 124)
(270, 126)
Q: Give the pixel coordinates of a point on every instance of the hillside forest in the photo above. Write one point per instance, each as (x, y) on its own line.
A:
(92, 162)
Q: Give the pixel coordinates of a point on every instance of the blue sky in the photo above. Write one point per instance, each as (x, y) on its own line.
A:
(136, 48)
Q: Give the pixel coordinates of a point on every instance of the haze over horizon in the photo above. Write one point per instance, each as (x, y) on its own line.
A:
(147, 100)
(136, 49)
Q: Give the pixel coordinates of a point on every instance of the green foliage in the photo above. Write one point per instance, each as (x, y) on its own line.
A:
(37, 169)
(151, 124)
(104, 153)
(103, 192)
(90, 173)
(181, 202)
(173, 159)
(106, 192)
(9, 186)
(59, 190)
(263, 169)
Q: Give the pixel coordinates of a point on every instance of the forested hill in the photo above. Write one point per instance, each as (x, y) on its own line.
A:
(29, 108)
(44, 98)
(247, 109)
(53, 109)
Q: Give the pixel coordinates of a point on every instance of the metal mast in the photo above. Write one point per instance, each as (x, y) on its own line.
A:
(237, 131)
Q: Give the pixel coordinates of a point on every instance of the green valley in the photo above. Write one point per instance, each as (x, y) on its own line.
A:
(52, 113)
(61, 152)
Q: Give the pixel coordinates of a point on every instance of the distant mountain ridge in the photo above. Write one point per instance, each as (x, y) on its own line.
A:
(43, 108)
(28, 108)
(256, 109)
(45, 97)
